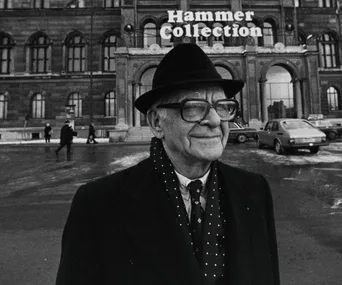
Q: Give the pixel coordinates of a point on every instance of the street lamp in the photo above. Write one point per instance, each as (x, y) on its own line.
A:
(129, 31)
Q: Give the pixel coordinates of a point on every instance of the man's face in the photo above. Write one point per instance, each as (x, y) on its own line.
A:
(195, 142)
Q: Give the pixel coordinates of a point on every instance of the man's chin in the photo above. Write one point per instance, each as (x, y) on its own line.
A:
(210, 154)
(212, 143)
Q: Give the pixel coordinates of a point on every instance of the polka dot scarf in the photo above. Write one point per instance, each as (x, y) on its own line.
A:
(213, 236)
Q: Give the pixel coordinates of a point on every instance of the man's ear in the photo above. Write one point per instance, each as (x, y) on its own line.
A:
(153, 120)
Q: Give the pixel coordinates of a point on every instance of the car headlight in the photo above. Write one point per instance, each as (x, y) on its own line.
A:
(292, 141)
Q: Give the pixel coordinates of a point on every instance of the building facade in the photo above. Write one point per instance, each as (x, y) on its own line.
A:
(95, 57)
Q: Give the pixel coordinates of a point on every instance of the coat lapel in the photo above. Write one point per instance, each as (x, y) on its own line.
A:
(151, 221)
(238, 208)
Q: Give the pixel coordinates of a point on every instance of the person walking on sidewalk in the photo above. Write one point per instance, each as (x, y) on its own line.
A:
(47, 133)
(27, 117)
(91, 134)
(66, 137)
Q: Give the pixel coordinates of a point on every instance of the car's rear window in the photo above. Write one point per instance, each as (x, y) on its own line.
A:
(291, 125)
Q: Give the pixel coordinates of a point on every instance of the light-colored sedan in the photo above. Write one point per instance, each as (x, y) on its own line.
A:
(290, 134)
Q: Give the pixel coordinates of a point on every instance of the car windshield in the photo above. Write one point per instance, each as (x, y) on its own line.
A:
(292, 125)
(234, 125)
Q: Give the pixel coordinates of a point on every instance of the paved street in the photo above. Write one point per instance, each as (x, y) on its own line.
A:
(36, 190)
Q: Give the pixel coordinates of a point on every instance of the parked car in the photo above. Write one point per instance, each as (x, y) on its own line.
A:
(240, 134)
(332, 131)
(290, 134)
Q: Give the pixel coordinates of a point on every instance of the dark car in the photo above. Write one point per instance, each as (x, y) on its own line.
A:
(290, 134)
(332, 131)
(239, 133)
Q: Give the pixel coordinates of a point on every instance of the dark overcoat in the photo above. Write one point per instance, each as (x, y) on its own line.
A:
(91, 131)
(66, 134)
(47, 131)
(123, 230)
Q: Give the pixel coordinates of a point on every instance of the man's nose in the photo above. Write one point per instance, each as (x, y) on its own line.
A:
(212, 119)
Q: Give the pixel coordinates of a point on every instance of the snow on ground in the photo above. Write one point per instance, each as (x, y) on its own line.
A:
(130, 160)
(42, 141)
(299, 158)
(333, 146)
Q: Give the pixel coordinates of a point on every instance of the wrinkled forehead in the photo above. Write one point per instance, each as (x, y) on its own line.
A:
(212, 93)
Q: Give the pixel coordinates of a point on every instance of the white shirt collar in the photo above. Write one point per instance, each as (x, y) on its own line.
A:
(184, 181)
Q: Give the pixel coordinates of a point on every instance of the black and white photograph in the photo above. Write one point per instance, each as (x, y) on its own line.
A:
(170, 142)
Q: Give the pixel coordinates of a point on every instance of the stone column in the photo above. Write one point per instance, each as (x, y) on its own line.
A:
(263, 99)
(298, 98)
(251, 85)
(136, 112)
(305, 102)
(129, 102)
(121, 88)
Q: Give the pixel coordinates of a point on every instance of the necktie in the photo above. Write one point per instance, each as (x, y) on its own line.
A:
(195, 188)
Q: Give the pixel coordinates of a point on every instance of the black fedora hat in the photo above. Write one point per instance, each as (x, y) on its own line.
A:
(184, 66)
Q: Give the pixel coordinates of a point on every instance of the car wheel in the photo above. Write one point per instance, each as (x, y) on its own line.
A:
(278, 148)
(314, 149)
(331, 136)
(241, 138)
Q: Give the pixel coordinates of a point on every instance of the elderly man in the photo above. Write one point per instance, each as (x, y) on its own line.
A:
(180, 217)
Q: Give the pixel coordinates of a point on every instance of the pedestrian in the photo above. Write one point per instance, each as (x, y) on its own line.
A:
(240, 121)
(65, 137)
(27, 117)
(47, 132)
(180, 216)
(91, 134)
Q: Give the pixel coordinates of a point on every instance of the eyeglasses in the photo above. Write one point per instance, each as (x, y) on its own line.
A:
(195, 110)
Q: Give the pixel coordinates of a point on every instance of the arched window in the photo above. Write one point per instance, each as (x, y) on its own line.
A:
(38, 106)
(75, 4)
(108, 52)
(328, 51)
(111, 3)
(76, 100)
(150, 34)
(257, 40)
(219, 39)
(279, 93)
(297, 3)
(40, 4)
(75, 52)
(3, 106)
(110, 104)
(166, 42)
(325, 3)
(5, 4)
(224, 72)
(39, 52)
(201, 40)
(333, 101)
(146, 85)
(268, 34)
(6, 45)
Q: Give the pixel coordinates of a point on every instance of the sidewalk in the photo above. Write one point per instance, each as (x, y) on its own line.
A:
(53, 141)
(101, 141)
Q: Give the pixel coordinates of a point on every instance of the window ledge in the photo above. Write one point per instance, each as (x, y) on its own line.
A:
(330, 69)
